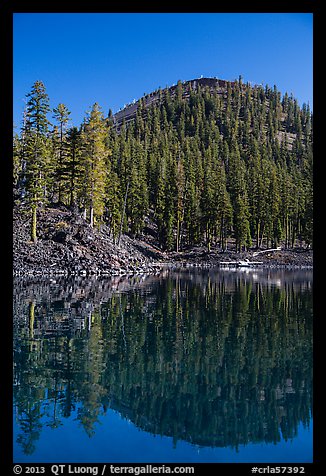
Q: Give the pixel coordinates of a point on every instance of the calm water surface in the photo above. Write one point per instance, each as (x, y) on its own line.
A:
(186, 366)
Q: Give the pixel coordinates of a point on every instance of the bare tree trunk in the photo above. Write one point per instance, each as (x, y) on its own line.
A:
(178, 236)
(181, 232)
(91, 216)
(123, 213)
(258, 232)
(262, 236)
(33, 227)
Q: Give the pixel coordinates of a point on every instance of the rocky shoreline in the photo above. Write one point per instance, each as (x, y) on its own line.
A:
(68, 246)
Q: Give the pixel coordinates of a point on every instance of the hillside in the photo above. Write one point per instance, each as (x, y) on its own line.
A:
(227, 132)
(206, 166)
(67, 245)
(128, 113)
(216, 87)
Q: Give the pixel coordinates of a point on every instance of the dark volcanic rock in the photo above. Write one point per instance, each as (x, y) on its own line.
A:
(291, 258)
(66, 244)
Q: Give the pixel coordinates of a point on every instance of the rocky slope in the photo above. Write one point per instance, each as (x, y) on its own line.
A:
(67, 245)
(291, 258)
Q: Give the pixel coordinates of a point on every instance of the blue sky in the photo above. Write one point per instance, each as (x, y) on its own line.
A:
(113, 58)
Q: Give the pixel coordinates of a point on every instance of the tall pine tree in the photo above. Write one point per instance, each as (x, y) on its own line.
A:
(36, 152)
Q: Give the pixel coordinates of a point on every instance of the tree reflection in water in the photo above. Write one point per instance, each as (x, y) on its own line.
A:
(212, 358)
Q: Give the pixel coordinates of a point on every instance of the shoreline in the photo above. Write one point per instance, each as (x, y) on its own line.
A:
(68, 246)
(154, 269)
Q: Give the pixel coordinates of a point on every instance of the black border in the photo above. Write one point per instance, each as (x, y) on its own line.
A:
(7, 9)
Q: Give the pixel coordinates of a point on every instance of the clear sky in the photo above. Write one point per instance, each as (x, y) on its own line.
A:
(113, 58)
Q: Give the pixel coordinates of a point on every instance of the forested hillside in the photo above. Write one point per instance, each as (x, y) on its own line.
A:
(204, 162)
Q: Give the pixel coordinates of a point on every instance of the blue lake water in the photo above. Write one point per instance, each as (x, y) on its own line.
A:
(185, 366)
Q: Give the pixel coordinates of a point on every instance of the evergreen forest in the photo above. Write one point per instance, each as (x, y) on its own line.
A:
(215, 165)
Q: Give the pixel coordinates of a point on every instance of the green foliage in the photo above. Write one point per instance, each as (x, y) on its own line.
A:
(93, 163)
(36, 152)
(211, 165)
(60, 152)
(17, 161)
(73, 166)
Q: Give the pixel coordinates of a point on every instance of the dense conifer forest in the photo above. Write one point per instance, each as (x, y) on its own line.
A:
(206, 162)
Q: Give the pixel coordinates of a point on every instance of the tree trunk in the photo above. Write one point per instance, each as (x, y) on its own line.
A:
(33, 227)
(60, 167)
(178, 236)
(72, 179)
(262, 236)
(258, 232)
(181, 232)
(208, 238)
(294, 234)
(91, 216)
(123, 213)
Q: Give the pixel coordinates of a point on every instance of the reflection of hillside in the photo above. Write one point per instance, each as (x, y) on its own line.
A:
(269, 277)
(97, 290)
(203, 357)
(64, 304)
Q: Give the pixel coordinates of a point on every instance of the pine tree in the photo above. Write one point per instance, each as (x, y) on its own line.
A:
(19, 158)
(286, 194)
(73, 170)
(36, 152)
(94, 153)
(158, 202)
(272, 218)
(169, 203)
(17, 164)
(113, 203)
(137, 204)
(61, 114)
(239, 200)
(207, 202)
(224, 211)
(191, 196)
(256, 188)
(180, 199)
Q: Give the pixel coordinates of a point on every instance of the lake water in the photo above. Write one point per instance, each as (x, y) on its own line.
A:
(185, 366)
